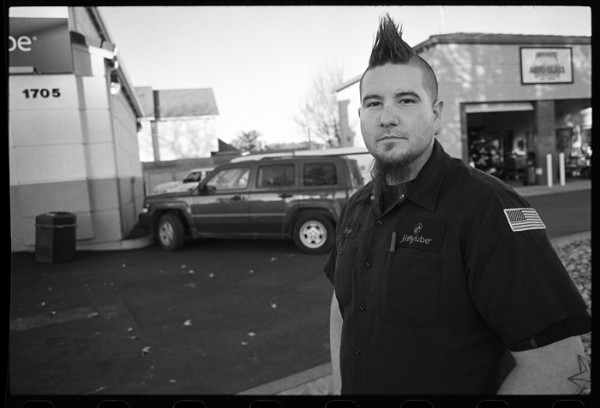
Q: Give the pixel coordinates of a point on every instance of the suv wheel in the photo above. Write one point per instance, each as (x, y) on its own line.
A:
(313, 234)
(170, 232)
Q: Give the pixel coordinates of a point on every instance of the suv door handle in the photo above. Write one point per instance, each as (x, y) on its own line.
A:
(284, 195)
(237, 198)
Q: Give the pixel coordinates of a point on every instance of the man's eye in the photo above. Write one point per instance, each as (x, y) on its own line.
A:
(372, 104)
(406, 101)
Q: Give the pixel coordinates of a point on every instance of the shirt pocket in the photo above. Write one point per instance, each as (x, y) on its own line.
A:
(411, 289)
(342, 279)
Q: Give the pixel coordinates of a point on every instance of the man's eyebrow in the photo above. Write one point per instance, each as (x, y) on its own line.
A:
(397, 95)
(370, 96)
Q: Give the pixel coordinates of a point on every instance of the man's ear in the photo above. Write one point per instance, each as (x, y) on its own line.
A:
(438, 107)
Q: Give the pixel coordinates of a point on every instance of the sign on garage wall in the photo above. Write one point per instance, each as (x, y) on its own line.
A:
(544, 65)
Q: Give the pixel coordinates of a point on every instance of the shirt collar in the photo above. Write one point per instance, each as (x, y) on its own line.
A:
(423, 190)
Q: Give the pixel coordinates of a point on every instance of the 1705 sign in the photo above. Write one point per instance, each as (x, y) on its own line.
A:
(43, 93)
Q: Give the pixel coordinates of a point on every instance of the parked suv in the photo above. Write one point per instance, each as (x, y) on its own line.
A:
(297, 197)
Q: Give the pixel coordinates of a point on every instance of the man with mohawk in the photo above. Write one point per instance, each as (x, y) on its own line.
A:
(444, 279)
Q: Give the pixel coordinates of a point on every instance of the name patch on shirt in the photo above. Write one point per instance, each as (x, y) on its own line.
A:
(424, 234)
(349, 230)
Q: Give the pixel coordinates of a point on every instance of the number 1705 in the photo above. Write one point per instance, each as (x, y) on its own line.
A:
(43, 92)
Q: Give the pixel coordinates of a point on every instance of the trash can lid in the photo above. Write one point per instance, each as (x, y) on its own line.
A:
(56, 218)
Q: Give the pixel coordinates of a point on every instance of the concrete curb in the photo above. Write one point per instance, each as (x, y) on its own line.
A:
(318, 381)
(560, 241)
(125, 244)
(314, 381)
(527, 191)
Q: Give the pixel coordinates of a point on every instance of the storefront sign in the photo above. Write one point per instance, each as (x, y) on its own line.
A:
(42, 45)
(546, 65)
(42, 92)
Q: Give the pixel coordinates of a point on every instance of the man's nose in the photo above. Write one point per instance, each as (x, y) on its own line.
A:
(389, 116)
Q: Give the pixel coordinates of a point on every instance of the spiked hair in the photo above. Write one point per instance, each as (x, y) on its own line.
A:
(390, 48)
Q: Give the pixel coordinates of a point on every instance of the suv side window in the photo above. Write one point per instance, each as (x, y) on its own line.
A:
(319, 174)
(275, 176)
(230, 179)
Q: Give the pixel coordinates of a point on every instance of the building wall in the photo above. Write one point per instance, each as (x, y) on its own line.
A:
(76, 153)
(46, 156)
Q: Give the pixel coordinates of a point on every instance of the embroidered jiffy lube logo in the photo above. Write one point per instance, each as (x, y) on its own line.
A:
(349, 230)
(424, 234)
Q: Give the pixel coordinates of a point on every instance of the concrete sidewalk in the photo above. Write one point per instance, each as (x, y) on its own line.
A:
(318, 381)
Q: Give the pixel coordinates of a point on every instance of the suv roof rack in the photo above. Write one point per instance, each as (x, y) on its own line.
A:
(337, 151)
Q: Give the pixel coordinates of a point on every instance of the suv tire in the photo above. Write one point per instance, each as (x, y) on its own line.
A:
(313, 234)
(170, 232)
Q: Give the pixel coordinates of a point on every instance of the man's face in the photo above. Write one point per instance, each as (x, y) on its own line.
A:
(398, 119)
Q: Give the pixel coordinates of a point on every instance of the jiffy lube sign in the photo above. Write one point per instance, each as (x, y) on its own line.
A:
(43, 44)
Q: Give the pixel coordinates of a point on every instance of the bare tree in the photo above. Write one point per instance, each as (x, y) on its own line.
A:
(318, 116)
(249, 141)
(186, 138)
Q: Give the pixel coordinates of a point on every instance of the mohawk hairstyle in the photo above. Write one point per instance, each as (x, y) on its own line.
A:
(389, 47)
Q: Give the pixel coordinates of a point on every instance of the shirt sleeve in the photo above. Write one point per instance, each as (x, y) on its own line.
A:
(516, 280)
(572, 326)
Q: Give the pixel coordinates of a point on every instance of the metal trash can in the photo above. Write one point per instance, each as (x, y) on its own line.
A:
(55, 237)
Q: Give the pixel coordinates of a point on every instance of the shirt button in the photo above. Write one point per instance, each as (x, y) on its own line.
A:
(340, 251)
(362, 307)
(356, 351)
(402, 196)
(369, 263)
(372, 197)
(379, 222)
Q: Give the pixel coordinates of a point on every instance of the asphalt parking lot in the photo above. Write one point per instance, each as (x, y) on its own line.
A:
(217, 317)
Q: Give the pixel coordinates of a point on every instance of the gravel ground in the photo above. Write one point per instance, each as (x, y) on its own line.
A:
(577, 258)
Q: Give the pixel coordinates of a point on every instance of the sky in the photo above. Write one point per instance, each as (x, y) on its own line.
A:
(261, 60)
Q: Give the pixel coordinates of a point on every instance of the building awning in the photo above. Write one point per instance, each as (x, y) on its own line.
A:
(498, 107)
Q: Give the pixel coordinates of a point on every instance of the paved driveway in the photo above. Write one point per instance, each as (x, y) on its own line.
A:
(218, 317)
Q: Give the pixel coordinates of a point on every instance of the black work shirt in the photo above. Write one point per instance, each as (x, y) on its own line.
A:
(433, 290)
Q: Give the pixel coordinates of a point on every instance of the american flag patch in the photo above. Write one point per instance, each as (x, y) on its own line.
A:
(523, 219)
